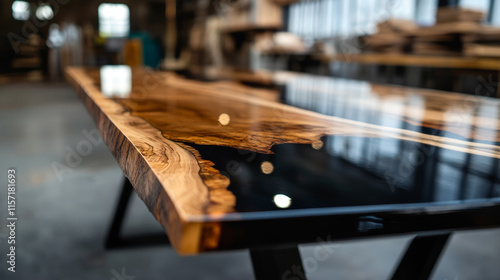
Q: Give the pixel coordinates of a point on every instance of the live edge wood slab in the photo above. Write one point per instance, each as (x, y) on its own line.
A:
(169, 133)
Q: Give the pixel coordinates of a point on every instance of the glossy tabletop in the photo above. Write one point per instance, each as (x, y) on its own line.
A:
(223, 166)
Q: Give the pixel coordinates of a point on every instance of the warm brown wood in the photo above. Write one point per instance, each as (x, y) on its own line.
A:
(242, 16)
(416, 60)
(249, 27)
(261, 77)
(132, 53)
(285, 2)
(141, 152)
(453, 28)
(150, 133)
(458, 14)
(171, 35)
(482, 50)
(296, 125)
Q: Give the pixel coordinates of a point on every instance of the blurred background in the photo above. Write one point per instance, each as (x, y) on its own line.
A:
(402, 42)
(431, 44)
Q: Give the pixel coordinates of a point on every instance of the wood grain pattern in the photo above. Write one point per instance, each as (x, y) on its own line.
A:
(151, 162)
(150, 133)
(258, 124)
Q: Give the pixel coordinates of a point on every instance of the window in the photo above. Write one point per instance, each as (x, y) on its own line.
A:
(21, 10)
(322, 19)
(402, 9)
(481, 5)
(495, 13)
(114, 20)
(426, 12)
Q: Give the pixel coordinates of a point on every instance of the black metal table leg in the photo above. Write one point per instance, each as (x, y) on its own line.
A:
(421, 257)
(114, 238)
(277, 263)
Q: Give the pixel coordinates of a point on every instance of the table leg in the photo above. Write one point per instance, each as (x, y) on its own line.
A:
(114, 238)
(277, 263)
(421, 257)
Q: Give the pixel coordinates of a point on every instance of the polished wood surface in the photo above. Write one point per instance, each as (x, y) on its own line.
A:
(161, 131)
(288, 124)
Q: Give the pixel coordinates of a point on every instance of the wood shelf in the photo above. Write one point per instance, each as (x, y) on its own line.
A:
(286, 2)
(418, 60)
(249, 28)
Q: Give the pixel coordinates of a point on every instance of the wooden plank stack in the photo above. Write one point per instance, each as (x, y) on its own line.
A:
(247, 28)
(391, 36)
(445, 38)
(244, 15)
(458, 31)
(482, 44)
(29, 56)
(456, 14)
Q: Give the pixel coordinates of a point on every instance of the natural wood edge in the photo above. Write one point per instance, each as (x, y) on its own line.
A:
(185, 236)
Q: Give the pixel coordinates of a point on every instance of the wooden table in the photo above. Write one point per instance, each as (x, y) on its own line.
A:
(225, 166)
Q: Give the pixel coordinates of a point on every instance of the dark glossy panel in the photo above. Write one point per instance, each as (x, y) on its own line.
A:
(369, 172)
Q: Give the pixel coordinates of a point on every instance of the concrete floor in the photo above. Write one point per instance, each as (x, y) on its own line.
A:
(62, 223)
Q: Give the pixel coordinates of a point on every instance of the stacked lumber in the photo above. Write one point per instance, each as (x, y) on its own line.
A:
(440, 39)
(28, 55)
(279, 43)
(485, 43)
(247, 31)
(396, 25)
(458, 14)
(482, 50)
(390, 37)
(458, 32)
(243, 15)
(444, 38)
